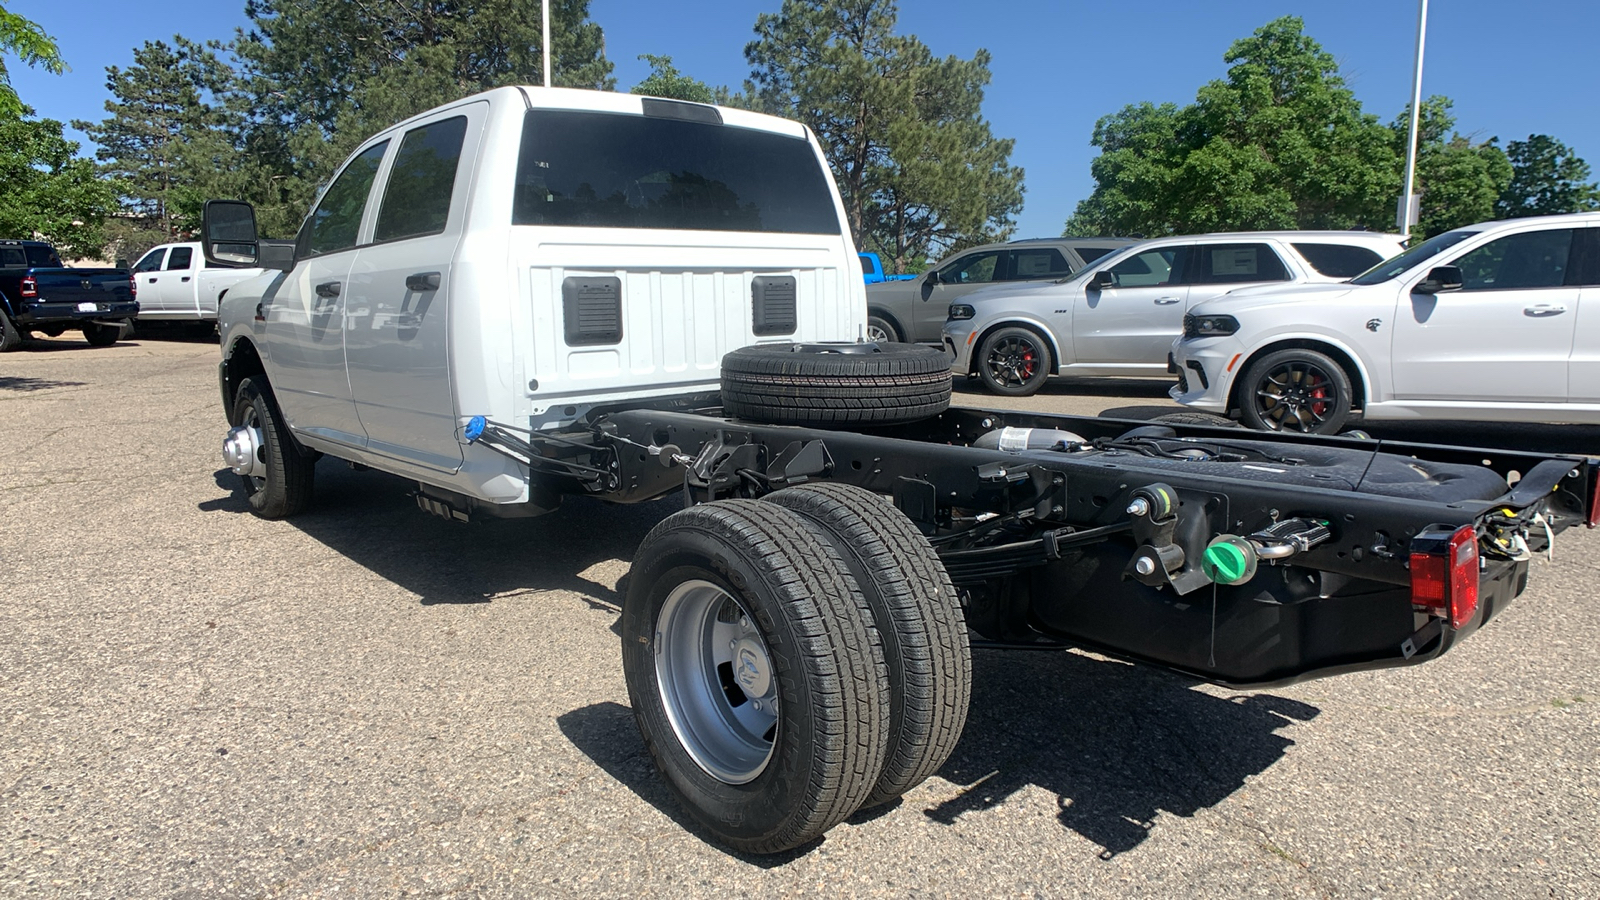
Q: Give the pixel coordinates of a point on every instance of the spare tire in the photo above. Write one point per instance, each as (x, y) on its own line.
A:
(835, 384)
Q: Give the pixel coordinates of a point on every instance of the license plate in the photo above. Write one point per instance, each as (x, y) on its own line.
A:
(87, 307)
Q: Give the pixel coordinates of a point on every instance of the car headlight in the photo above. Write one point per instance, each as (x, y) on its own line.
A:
(1209, 326)
(962, 311)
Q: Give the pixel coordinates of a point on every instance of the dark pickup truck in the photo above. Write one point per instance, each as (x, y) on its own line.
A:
(38, 293)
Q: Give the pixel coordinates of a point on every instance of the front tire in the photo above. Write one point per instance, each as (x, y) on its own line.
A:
(1297, 391)
(286, 486)
(99, 334)
(918, 617)
(882, 331)
(1014, 362)
(755, 673)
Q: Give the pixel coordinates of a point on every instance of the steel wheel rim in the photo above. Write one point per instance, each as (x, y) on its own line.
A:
(252, 419)
(1295, 396)
(716, 681)
(1012, 362)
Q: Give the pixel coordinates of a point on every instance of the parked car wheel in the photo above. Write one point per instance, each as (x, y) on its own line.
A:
(835, 384)
(918, 617)
(10, 336)
(1295, 390)
(755, 674)
(99, 334)
(1014, 361)
(285, 479)
(882, 331)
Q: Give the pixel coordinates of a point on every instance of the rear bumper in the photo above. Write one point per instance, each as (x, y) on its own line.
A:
(74, 312)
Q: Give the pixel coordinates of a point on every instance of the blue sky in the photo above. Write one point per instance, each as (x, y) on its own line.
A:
(1513, 69)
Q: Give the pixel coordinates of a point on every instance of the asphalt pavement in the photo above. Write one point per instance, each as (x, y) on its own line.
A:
(369, 701)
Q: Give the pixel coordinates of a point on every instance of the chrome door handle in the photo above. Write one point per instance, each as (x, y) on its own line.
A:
(1543, 310)
(1167, 301)
(328, 289)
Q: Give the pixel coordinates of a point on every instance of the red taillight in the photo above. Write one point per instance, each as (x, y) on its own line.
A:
(133, 286)
(1444, 574)
(30, 286)
(1593, 518)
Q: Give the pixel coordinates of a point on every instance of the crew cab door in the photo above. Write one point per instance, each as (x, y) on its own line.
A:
(1137, 318)
(397, 303)
(1506, 335)
(147, 274)
(305, 312)
(176, 288)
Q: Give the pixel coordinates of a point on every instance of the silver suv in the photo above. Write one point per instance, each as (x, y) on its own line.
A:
(915, 310)
(1120, 315)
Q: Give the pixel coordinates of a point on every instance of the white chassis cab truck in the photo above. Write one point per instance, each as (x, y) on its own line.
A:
(177, 283)
(530, 294)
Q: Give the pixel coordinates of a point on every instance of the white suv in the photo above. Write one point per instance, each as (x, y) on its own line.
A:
(1120, 314)
(1492, 322)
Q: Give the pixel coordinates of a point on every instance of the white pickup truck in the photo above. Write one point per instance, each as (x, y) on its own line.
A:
(177, 284)
(532, 294)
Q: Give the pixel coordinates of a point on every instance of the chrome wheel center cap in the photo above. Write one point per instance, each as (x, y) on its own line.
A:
(241, 451)
(751, 668)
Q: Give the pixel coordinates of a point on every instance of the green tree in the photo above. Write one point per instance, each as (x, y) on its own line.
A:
(46, 190)
(29, 43)
(1459, 180)
(666, 81)
(166, 137)
(1547, 178)
(322, 75)
(1280, 142)
(918, 167)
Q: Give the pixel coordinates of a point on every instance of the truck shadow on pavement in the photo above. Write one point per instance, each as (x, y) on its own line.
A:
(1117, 744)
(370, 518)
(25, 384)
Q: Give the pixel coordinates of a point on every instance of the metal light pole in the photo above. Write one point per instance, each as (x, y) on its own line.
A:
(544, 13)
(1406, 213)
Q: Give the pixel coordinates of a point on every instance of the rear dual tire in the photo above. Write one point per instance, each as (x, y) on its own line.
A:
(792, 661)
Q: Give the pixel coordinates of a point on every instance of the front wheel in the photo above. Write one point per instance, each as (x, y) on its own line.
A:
(1298, 391)
(882, 331)
(99, 334)
(755, 673)
(278, 479)
(1014, 361)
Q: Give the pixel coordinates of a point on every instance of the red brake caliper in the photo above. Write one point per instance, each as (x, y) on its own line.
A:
(1319, 396)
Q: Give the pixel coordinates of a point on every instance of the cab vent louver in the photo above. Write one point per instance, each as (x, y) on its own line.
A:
(592, 310)
(772, 300)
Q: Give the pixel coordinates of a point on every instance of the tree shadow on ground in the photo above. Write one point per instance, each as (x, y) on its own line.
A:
(370, 518)
(25, 384)
(1117, 745)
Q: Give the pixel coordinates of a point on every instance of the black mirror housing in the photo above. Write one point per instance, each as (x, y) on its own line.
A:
(1439, 280)
(276, 255)
(933, 277)
(228, 231)
(1102, 279)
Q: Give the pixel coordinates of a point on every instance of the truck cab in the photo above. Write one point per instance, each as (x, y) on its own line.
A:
(527, 254)
(177, 284)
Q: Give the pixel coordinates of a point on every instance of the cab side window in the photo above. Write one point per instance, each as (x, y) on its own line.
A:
(1533, 259)
(1163, 265)
(336, 221)
(1235, 264)
(978, 268)
(151, 261)
(416, 201)
(179, 258)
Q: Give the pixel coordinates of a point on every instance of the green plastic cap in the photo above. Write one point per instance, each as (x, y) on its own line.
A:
(1225, 563)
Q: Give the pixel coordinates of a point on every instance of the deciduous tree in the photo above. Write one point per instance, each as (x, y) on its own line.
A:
(666, 81)
(47, 190)
(1546, 178)
(29, 43)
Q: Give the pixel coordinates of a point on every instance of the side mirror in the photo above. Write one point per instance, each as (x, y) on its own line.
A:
(276, 255)
(228, 229)
(1440, 280)
(934, 277)
(1102, 279)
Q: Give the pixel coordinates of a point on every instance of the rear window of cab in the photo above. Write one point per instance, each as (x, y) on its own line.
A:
(616, 170)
